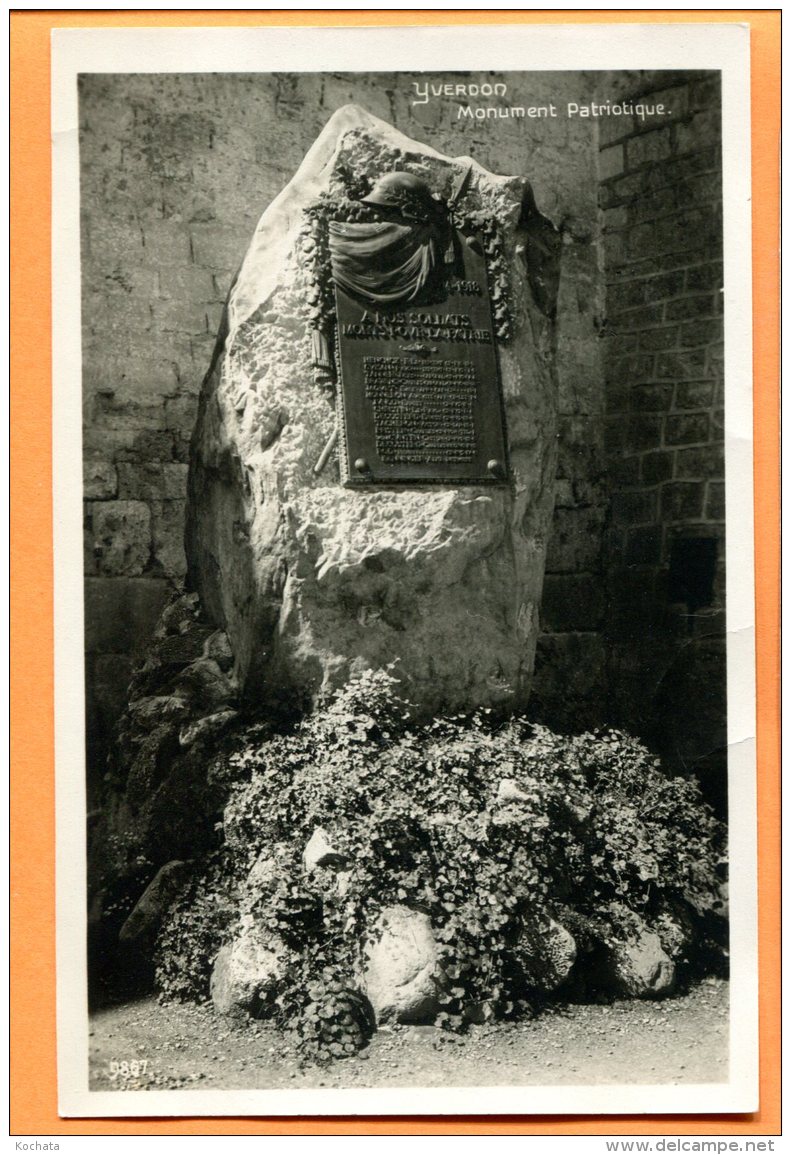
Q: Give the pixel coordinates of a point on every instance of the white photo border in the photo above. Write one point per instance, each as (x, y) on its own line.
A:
(411, 50)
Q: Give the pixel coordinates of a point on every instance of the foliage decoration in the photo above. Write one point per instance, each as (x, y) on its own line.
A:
(492, 826)
(491, 234)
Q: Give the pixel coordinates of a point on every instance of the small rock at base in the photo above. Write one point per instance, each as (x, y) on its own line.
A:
(548, 952)
(402, 977)
(508, 791)
(207, 727)
(320, 852)
(145, 920)
(263, 874)
(640, 967)
(246, 973)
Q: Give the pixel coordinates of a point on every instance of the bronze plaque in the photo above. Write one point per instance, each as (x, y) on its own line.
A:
(419, 384)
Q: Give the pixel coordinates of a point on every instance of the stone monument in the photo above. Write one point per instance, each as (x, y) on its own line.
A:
(371, 476)
(370, 497)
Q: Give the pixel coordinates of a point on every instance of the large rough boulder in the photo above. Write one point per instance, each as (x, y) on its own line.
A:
(312, 581)
(402, 977)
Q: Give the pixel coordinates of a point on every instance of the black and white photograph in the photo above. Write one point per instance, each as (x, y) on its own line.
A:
(404, 684)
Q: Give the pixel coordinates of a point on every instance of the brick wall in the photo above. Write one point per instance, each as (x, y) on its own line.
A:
(662, 218)
(175, 171)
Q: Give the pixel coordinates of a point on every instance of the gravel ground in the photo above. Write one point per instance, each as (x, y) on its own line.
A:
(679, 1040)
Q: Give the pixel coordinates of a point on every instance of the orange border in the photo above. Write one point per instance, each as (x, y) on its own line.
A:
(33, 1053)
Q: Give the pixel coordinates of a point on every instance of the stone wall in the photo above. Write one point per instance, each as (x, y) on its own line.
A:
(175, 171)
(662, 214)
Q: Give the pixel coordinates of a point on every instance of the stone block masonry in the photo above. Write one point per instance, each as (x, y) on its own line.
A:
(175, 172)
(661, 202)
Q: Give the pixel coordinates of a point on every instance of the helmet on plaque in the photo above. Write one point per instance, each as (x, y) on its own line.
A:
(404, 191)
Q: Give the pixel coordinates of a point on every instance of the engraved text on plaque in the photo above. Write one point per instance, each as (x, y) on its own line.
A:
(424, 411)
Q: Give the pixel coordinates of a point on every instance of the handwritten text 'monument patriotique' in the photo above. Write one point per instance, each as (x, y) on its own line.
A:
(432, 326)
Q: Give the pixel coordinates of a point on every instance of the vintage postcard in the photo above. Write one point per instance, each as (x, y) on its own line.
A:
(405, 705)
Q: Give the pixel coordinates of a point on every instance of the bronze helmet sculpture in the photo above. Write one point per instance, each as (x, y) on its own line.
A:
(404, 191)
